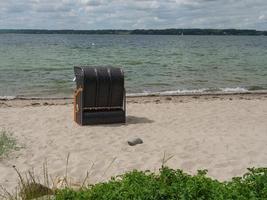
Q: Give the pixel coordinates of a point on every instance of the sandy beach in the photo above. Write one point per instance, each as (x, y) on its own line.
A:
(222, 133)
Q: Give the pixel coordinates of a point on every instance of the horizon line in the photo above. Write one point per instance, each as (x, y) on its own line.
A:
(119, 29)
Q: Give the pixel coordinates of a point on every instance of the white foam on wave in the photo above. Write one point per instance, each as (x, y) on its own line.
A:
(7, 97)
(171, 92)
(237, 89)
(162, 93)
(195, 91)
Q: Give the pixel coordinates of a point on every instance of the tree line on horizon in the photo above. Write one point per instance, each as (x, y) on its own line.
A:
(141, 31)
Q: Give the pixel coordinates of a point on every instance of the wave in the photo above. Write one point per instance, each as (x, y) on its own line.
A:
(195, 91)
(237, 90)
(7, 97)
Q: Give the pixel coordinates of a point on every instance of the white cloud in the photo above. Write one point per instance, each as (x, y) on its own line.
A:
(131, 14)
(262, 17)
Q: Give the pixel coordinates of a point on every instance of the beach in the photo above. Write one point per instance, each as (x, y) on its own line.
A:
(223, 133)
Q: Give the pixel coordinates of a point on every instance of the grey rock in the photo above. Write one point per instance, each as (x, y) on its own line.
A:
(157, 101)
(168, 98)
(35, 104)
(135, 141)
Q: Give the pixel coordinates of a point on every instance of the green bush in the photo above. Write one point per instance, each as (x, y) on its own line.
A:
(172, 184)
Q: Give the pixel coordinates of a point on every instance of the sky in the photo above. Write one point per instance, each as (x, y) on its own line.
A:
(133, 14)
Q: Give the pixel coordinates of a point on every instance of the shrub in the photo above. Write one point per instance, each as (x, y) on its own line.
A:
(172, 184)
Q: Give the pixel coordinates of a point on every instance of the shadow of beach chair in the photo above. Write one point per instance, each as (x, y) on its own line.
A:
(99, 97)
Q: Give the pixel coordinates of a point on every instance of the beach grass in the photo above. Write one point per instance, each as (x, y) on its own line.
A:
(29, 187)
(7, 142)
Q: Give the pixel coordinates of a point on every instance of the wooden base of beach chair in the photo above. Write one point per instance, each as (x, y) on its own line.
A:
(103, 117)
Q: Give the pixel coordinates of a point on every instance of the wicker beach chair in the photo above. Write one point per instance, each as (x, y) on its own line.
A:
(99, 97)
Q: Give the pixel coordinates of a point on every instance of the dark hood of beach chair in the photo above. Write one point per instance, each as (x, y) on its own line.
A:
(102, 88)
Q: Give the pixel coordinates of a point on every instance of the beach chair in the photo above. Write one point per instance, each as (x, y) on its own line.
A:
(99, 97)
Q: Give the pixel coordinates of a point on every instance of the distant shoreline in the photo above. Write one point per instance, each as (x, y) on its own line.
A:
(193, 31)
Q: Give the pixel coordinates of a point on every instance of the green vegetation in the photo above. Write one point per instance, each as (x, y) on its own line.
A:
(7, 143)
(173, 184)
(29, 187)
(168, 184)
(172, 31)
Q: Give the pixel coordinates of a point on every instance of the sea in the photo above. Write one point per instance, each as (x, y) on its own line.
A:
(41, 65)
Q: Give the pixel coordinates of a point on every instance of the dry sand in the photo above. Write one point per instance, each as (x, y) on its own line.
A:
(222, 133)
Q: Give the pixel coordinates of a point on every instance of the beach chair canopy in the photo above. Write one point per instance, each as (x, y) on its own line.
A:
(99, 92)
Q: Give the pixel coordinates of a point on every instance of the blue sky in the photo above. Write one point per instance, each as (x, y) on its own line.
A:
(133, 14)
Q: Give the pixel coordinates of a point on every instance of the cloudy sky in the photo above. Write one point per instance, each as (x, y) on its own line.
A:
(133, 14)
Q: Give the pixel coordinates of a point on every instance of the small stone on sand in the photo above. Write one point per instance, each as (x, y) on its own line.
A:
(135, 141)
(35, 104)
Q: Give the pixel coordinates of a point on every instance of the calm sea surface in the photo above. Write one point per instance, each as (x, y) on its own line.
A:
(42, 65)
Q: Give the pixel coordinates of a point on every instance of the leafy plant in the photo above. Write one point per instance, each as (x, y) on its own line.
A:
(173, 184)
(168, 184)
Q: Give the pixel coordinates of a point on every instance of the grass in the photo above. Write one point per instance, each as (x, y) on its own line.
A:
(7, 143)
(29, 187)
